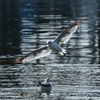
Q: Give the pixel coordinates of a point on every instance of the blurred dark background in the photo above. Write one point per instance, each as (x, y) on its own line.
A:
(27, 24)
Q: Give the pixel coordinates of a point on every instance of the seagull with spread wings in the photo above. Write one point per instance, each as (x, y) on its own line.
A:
(54, 45)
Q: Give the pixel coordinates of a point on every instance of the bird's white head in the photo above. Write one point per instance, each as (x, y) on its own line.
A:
(48, 42)
(47, 81)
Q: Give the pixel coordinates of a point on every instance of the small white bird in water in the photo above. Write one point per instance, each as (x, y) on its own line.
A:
(54, 45)
(46, 86)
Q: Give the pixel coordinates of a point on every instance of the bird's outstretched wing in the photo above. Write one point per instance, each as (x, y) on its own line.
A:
(36, 54)
(67, 32)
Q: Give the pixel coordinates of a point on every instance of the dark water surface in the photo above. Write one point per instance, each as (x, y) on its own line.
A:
(26, 25)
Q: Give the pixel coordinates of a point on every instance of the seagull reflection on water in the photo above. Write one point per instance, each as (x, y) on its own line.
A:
(54, 45)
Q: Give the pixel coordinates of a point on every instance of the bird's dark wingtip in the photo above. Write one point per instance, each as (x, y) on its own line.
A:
(39, 83)
(15, 61)
(78, 21)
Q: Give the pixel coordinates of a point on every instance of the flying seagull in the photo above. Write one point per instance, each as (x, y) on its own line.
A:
(46, 86)
(54, 45)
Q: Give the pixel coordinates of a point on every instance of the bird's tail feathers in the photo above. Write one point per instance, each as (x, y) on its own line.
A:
(62, 52)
